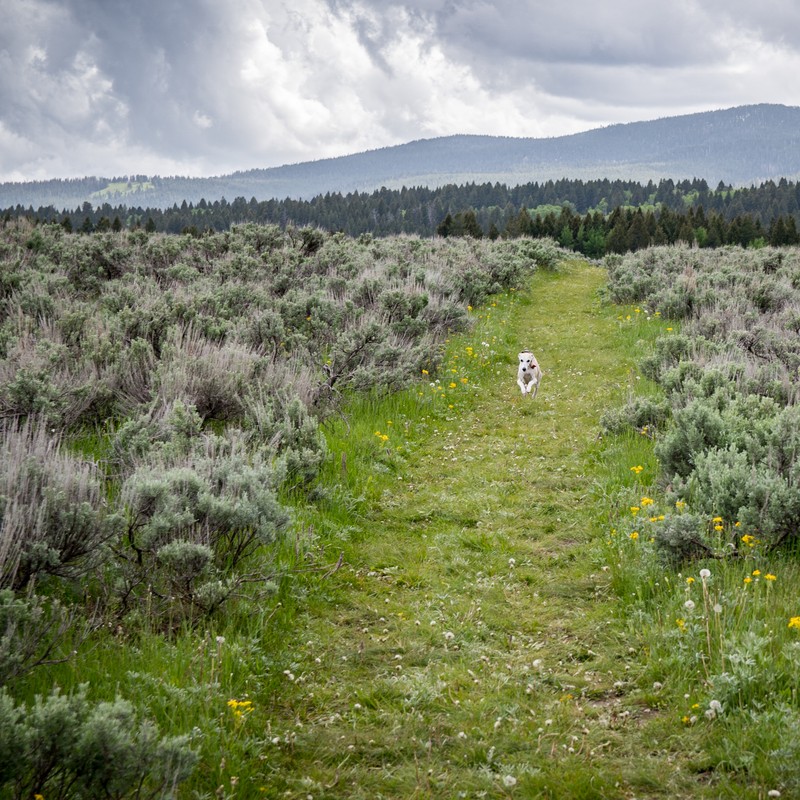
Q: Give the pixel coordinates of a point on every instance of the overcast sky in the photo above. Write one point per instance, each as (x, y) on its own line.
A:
(206, 87)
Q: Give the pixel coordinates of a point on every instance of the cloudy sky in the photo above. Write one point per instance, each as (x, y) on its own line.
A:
(206, 87)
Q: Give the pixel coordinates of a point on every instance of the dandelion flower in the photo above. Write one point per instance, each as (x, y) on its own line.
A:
(634, 535)
(769, 577)
(646, 501)
(680, 505)
(748, 579)
(705, 573)
(637, 469)
(794, 622)
(690, 580)
(756, 572)
(635, 510)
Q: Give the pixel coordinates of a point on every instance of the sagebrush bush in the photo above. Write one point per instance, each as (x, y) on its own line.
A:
(645, 414)
(65, 748)
(33, 630)
(681, 538)
(210, 376)
(54, 518)
(284, 424)
(216, 498)
(732, 378)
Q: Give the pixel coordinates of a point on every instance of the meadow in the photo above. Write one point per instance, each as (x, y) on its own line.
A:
(276, 521)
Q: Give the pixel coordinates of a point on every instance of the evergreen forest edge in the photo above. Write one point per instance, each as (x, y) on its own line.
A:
(593, 217)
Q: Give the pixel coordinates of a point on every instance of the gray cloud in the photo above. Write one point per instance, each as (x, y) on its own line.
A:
(110, 87)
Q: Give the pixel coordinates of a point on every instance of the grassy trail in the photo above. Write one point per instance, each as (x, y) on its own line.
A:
(468, 647)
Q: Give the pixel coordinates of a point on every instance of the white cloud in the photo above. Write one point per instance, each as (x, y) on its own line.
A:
(151, 87)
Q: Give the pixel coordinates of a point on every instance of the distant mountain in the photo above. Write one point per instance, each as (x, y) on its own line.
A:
(739, 146)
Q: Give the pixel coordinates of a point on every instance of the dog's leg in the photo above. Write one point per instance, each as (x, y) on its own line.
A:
(521, 385)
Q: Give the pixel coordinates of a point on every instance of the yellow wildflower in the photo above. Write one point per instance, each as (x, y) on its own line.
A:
(794, 622)
(769, 577)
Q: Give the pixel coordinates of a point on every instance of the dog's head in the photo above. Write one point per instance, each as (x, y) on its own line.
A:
(527, 360)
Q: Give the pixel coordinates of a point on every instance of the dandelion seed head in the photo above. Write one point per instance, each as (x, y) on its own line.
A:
(705, 573)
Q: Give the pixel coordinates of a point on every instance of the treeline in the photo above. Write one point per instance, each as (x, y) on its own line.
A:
(593, 217)
(628, 230)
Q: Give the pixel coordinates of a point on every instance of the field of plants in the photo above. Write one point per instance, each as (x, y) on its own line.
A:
(275, 522)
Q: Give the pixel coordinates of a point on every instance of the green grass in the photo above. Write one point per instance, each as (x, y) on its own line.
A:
(470, 644)
(120, 188)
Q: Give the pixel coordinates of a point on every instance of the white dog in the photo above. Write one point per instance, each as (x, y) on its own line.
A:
(529, 373)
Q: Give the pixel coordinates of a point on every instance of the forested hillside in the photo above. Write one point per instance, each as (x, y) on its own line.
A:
(739, 146)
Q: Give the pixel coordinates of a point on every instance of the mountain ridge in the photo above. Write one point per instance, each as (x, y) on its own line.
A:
(738, 146)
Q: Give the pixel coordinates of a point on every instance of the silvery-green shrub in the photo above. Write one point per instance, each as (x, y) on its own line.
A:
(195, 514)
(64, 747)
(54, 517)
(681, 537)
(287, 427)
(33, 630)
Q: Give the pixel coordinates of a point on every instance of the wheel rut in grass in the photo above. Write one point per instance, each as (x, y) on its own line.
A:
(467, 646)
